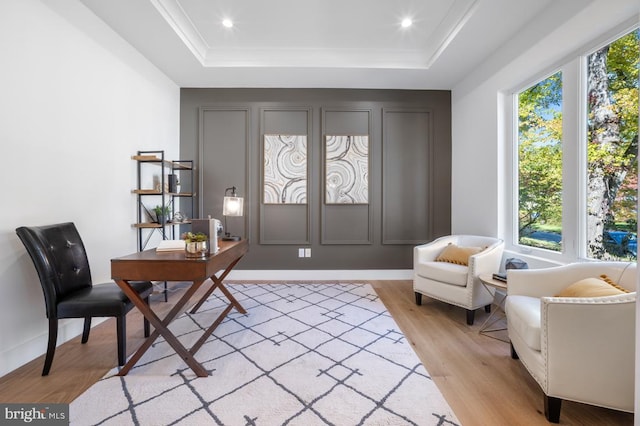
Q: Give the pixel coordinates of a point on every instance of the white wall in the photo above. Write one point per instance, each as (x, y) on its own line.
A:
(77, 102)
(479, 191)
(480, 130)
(479, 145)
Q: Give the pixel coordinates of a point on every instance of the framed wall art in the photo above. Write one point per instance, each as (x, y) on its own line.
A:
(285, 169)
(347, 169)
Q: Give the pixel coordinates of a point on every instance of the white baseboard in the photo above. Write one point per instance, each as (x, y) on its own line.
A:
(321, 275)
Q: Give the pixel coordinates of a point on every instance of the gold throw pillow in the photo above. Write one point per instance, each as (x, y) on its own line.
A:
(458, 255)
(590, 287)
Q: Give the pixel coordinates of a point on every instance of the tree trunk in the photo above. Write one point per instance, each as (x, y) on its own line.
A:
(603, 179)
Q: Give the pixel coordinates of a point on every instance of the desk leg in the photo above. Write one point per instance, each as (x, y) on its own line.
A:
(233, 300)
(217, 282)
(210, 330)
(161, 329)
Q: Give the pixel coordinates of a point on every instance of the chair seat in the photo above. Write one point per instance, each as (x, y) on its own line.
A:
(445, 272)
(100, 300)
(524, 319)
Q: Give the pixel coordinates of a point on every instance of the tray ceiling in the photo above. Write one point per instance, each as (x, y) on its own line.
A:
(318, 43)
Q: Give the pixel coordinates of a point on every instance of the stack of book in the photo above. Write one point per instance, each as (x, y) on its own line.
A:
(171, 245)
(500, 277)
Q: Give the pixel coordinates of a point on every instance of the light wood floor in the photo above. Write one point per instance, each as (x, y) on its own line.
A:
(475, 373)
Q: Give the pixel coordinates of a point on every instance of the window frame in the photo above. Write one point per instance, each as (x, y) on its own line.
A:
(574, 153)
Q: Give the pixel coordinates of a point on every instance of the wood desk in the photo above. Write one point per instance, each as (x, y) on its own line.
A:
(150, 265)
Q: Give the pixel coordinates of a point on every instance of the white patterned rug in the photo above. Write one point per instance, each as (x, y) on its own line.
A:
(305, 354)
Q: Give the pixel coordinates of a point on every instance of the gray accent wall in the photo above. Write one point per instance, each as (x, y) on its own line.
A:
(409, 173)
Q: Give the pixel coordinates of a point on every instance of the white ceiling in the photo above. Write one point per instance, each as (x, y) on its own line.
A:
(317, 43)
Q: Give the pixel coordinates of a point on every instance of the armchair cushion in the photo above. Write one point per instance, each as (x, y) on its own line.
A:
(524, 319)
(448, 273)
(590, 287)
(459, 255)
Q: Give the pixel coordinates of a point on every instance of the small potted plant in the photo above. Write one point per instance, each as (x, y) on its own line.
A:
(196, 244)
(163, 214)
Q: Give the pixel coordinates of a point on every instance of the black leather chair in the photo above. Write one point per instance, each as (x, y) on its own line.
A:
(60, 258)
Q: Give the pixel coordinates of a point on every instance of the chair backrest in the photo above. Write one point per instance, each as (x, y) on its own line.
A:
(476, 240)
(622, 273)
(628, 277)
(60, 258)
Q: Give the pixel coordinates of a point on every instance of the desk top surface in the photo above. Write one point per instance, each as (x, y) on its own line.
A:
(174, 265)
(179, 255)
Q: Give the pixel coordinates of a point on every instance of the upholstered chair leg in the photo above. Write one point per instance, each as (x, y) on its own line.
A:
(487, 309)
(471, 314)
(552, 407)
(514, 354)
(86, 329)
(51, 346)
(146, 321)
(121, 324)
(418, 298)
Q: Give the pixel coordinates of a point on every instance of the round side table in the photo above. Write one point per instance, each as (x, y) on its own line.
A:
(489, 282)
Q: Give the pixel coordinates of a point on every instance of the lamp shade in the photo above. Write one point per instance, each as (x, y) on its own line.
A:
(233, 206)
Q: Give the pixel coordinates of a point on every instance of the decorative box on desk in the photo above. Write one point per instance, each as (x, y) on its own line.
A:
(209, 227)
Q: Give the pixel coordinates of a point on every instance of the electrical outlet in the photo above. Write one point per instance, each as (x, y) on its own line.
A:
(301, 252)
(307, 252)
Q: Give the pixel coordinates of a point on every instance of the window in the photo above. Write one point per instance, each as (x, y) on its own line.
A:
(540, 164)
(577, 190)
(612, 150)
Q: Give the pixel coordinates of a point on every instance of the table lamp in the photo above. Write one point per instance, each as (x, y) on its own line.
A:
(232, 205)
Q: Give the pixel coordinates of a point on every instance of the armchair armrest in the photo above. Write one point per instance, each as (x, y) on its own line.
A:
(587, 340)
(487, 261)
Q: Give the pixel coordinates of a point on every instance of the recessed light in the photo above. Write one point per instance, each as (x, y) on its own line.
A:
(406, 23)
(227, 23)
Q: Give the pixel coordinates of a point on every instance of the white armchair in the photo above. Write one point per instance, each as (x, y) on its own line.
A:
(577, 348)
(456, 284)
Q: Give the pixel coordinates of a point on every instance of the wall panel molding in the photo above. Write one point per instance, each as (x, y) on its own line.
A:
(285, 223)
(347, 223)
(407, 175)
(219, 162)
